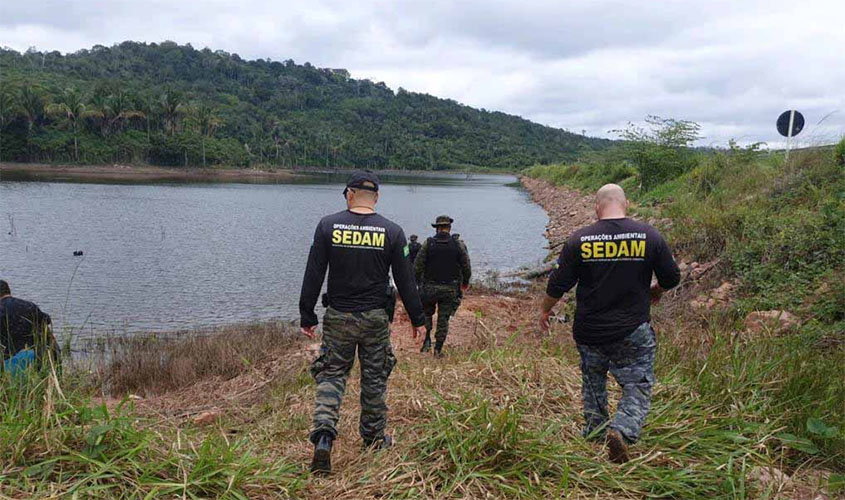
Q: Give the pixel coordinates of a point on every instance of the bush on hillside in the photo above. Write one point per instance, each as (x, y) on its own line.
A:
(661, 151)
(839, 153)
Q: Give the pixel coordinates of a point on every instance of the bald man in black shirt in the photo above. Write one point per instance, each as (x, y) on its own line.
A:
(612, 263)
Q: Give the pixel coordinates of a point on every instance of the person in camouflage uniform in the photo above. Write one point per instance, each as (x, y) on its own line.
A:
(444, 270)
(612, 262)
(359, 248)
(414, 248)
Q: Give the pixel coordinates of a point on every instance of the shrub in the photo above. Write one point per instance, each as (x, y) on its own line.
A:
(839, 153)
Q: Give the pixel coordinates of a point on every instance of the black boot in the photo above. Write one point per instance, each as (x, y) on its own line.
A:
(322, 462)
(378, 444)
(438, 348)
(426, 344)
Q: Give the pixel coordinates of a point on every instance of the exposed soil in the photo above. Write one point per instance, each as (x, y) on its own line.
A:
(568, 209)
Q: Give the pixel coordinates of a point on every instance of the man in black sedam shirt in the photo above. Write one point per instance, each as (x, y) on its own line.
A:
(612, 262)
(359, 247)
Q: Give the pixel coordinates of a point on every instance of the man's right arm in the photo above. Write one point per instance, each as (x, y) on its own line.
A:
(312, 283)
(562, 278)
(401, 267)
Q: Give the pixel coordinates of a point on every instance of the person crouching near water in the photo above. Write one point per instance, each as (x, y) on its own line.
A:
(25, 334)
(612, 262)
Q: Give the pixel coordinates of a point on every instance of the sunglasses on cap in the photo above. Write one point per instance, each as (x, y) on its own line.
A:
(353, 188)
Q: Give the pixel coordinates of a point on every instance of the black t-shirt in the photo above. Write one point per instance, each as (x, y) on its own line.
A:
(359, 251)
(19, 320)
(612, 262)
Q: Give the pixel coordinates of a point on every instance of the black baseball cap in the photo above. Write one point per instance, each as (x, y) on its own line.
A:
(359, 180)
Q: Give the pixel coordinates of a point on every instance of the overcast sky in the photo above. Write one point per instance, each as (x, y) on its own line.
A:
(592, 65)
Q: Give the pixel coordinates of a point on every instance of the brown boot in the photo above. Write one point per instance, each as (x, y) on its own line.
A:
(617, 449)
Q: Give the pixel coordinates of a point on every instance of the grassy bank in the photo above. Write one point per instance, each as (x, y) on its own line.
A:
(497, 419)
(78, 432)
(776, 231)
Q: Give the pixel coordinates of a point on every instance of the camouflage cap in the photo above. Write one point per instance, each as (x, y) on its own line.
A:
(443, 220)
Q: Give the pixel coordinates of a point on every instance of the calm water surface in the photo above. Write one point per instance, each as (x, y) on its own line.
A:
(175, 256)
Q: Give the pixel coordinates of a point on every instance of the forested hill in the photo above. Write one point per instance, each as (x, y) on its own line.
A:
(166, 104)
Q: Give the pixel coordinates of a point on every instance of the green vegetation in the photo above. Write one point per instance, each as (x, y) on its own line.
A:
(778, 231)
(165, 104)
(499, 420)
(58, 442)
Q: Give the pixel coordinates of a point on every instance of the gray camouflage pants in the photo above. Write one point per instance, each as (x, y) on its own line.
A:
(343, 333)
(631, 362)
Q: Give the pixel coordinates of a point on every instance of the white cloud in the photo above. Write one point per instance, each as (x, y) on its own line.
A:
(733, 66)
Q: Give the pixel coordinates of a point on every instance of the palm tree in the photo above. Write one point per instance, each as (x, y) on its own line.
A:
(120, 110)
(8, 107)
(32, 105)
(205, 117)
(71, 107)
(8, 111)
(171, 109)
(148, 106)
(98, 110)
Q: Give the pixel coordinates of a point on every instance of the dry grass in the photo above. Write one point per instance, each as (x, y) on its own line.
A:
(154, 364)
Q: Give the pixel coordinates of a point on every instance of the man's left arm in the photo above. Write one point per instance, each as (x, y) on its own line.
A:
(665, 268)
(405, 283)
(466, 265)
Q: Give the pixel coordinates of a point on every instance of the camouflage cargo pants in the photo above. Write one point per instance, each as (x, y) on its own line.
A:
(631, 361)
(444, 300)
(343, 333)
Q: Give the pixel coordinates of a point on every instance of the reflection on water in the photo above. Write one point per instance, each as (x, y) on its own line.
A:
(175, 256)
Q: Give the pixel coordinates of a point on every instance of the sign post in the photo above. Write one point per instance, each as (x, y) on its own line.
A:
(790, 123)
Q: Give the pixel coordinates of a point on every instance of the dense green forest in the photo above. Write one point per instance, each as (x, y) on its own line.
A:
(166, 104)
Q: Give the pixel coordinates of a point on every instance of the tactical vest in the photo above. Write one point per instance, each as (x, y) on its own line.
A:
(442, 263)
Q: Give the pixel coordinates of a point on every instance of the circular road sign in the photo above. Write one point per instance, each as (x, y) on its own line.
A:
(797, 123)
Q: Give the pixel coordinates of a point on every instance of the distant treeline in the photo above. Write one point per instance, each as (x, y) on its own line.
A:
(166, 104)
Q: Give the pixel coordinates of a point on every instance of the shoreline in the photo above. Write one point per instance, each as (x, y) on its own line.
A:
(131, 173)
(567, 209)
(149, 173)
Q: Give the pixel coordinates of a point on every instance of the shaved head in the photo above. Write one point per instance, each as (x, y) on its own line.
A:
(362, 198)
(611, 201)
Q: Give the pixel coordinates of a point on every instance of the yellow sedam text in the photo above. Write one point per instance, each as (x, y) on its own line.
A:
(613, 249)
(357, 238)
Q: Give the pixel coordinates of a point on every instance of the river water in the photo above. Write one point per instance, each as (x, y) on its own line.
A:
(166, 257)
